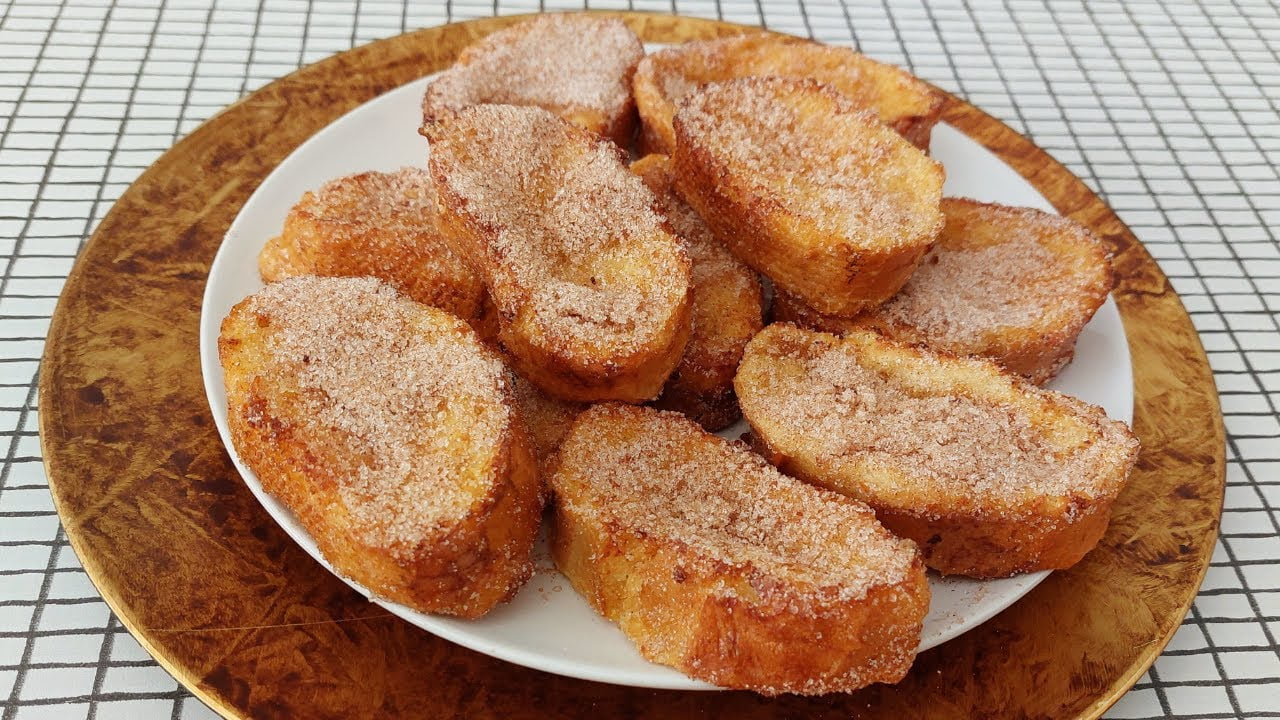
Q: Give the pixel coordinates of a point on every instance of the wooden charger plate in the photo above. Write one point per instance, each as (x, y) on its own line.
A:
(206, 581)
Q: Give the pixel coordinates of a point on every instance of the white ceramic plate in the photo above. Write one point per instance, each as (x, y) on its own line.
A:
(548, 626)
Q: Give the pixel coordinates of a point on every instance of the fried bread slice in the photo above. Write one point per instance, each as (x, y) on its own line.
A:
(714, 563)
(388, 429)
(801, 185)
(577, 66)
(990, 474)
(728, 309)
(374, 224)
(662, 79)
(1015, 285)
(591, 287)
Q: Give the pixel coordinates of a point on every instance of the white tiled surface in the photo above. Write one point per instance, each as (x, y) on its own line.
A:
(1168, 109)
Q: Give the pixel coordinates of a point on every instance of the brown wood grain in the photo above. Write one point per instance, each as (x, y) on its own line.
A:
(238, 613)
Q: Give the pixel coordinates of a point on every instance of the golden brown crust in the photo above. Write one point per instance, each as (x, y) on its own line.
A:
(576, 66)
(810, 595)
(462, 562)
(1043, 299)
(374, 224)
(592, 289)
(799, 184)
(728, 307)
(989, 474)
(663, 78)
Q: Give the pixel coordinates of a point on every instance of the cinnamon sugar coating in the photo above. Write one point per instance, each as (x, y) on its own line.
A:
(806, 188)
(664, 78)
(374, 224)
(388, 429)
(577, 66)
(713, 562)
(1016, 285)
(591, 287)
(991, 475)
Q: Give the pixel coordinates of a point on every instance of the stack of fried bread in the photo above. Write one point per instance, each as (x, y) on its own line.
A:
(533, 317)
(728, 309)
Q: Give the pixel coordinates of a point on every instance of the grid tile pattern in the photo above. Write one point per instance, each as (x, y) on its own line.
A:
(1169, 110)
